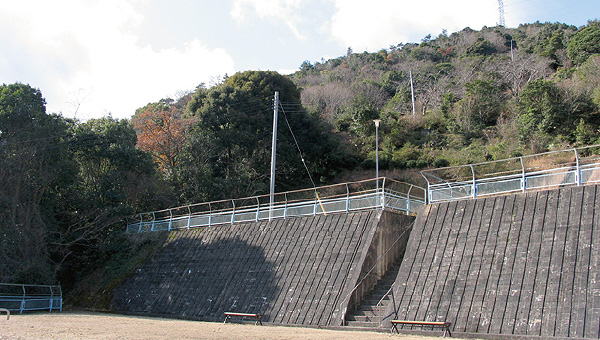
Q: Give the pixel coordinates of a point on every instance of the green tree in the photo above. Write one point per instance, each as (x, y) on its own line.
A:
(481, 106)
(551, 47)
(481, 47)
(585, 43)
(238, 114)
(357, 118)
(548, 112)
(113, 181)
(541, 108)
(34, 169)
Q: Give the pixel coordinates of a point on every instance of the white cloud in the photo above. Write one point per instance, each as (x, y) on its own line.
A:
(282, 10)
(369, 25)
(88, 52)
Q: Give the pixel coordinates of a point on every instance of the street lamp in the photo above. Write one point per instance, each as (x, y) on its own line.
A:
(377, 122)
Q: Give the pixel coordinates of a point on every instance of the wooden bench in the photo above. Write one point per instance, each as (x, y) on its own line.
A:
(6, 311)
(228, 316)
(433, 324)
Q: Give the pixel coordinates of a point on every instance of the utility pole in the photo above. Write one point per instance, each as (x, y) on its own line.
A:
(412, 91)
(377, 122)
(273, 152)
(512, 52)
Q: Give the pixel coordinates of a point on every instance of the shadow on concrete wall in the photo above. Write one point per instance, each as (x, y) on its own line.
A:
(208, 277)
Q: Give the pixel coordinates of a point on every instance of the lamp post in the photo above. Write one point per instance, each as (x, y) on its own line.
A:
(377, 122)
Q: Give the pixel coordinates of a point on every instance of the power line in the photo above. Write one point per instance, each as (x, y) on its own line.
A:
(298, 147)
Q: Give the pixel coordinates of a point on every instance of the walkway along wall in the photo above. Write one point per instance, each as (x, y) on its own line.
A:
(294, 271)
(524, 264)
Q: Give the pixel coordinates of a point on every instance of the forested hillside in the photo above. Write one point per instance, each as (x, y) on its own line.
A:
(67, 186)
(479, 95)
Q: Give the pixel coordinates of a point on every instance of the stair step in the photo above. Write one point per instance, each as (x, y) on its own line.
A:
(365, 309)
(367, 314)
(379, 291)
(370, 313)
(363, 318)
(373, 301)
(362, 324)
(386, 280)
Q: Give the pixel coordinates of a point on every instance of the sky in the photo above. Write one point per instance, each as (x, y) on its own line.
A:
(92, 58)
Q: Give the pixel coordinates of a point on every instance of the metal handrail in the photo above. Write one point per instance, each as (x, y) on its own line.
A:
(338, 198)
(567, 168)
(50, 300)
(391, 290)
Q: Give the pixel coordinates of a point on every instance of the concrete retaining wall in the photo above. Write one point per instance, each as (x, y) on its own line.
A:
(525, 264)
(294, 271)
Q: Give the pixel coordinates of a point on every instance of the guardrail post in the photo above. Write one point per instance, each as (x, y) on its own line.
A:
(170, 219)
(578, 173)
(141, 220)
(285, 206)
(523, 178)
(408, 199)
(316, 202)
(474, 182)
(383, 194)
(189, 217)
(209, 215)
(233, 212)
(257, 209)
(23, 300)
(347, 198)
(153, 221)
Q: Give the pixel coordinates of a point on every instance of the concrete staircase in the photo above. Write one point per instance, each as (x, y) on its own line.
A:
(367, 314)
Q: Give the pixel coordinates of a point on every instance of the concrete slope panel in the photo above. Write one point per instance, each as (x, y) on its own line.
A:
(524, 265)
(293, 271)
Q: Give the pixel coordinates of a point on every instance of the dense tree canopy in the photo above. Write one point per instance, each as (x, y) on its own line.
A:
(238, 114)
(32, 171)
(585, 43)
(65, 188)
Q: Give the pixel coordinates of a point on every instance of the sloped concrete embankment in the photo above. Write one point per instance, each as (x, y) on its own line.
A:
(524, 264)
(295, 271)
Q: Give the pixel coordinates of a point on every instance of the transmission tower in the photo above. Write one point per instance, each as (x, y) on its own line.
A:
(501, 11)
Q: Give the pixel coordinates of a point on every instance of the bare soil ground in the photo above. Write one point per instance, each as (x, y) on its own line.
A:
(90, 326)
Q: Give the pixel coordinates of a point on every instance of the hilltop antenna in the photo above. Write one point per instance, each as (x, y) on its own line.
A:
(502, 22)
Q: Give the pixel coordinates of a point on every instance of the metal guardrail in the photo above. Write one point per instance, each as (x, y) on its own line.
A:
(20, 297)
(548, 170)
(378, 193)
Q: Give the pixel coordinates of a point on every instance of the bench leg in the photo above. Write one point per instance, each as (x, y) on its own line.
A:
(227, 318)
(447, 330)
(394, 327)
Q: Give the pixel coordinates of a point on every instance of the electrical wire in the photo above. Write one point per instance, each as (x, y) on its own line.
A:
(297, 146)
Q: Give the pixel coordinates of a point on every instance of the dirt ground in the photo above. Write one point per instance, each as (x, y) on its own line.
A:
(90, 326)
